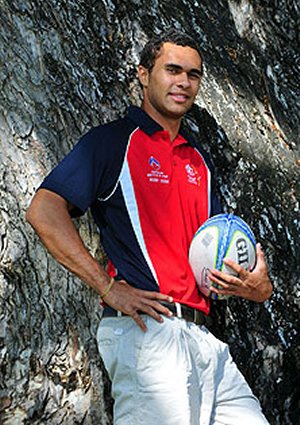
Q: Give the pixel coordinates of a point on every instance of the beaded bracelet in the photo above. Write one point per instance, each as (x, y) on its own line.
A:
(108, 288)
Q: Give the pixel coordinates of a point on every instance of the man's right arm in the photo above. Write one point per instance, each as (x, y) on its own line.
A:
(49, 215)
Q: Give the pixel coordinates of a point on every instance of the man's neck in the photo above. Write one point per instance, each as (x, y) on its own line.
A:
(169, 124)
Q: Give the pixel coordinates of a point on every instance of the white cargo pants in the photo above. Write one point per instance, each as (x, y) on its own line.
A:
(176, 373)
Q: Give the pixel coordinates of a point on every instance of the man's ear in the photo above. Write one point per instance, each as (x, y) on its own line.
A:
(143, 75)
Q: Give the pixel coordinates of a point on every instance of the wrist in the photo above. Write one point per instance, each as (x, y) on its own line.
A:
(107, 289)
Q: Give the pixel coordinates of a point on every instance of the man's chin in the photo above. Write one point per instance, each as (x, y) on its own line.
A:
(178, 111)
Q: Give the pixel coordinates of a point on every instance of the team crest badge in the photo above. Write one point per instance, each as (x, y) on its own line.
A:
(192, 175)
(156, 175)
(154, 163)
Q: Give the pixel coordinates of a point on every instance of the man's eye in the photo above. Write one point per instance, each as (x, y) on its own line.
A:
(194, 76)
(172, 70)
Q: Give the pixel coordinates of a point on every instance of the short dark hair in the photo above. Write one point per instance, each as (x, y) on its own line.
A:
(153, 46)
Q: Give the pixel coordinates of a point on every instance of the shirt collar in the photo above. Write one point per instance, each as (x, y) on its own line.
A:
(149, 125)
(143, 120)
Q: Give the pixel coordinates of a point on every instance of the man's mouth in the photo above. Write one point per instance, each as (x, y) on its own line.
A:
(179, 97)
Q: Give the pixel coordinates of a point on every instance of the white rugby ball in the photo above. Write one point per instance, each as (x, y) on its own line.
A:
(221, 236)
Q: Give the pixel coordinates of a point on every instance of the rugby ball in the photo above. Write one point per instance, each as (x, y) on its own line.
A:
(221, 236)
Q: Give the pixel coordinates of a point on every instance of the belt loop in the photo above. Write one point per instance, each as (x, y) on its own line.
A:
(178, 310)
(119, 313)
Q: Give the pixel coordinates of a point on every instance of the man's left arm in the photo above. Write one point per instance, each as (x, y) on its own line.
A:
(252, 285)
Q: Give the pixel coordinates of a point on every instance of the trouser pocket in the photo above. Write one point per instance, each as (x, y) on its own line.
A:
(120, 342)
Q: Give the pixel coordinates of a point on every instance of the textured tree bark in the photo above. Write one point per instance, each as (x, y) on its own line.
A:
(69, 65)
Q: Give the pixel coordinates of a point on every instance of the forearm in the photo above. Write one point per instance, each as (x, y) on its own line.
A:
(50, 218)
(49, 215)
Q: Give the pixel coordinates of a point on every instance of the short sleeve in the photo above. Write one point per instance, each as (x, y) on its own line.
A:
(89, 171)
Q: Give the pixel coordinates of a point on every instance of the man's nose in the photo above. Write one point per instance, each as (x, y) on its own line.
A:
(183, 80)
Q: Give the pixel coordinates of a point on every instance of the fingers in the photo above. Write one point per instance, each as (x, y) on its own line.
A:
(139, 321)
(149, 303)
(155, 296)
(253, 285)
(163, 309)
(224, 279)
(226, 284)
(259, 251)
(222, 287)
(237, 268)
(134, 302)
(261, 262)
(153, 309)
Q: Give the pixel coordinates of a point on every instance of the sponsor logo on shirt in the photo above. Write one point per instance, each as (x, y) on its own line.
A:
(192, 175)
(155, 175)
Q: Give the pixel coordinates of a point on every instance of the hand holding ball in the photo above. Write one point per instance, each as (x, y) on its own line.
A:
(222, 236)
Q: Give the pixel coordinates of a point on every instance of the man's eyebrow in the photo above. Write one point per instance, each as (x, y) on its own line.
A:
(180, 68)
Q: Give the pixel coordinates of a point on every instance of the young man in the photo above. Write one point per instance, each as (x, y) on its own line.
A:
(135, 175)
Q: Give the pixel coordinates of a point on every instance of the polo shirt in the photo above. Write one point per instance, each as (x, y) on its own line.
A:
(148, 196)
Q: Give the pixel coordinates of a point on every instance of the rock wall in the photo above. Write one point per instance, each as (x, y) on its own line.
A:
(67, 65)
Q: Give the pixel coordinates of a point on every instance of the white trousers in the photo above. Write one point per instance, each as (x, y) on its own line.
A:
(176, 373)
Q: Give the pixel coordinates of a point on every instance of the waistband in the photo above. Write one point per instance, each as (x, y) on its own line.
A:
(181, 311)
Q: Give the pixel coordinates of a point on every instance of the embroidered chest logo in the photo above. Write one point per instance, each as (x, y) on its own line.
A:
(156, 175)
(154, 163)
(193, 176)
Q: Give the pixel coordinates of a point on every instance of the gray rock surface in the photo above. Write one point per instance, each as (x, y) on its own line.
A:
(69, 65)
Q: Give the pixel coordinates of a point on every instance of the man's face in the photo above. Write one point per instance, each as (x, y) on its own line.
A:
(171, 86)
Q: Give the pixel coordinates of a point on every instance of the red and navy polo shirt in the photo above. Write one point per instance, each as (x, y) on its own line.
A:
(148, 196)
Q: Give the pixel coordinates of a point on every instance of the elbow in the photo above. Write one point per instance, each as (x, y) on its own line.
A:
(35, 214)
(31, 216)
(39, 209)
